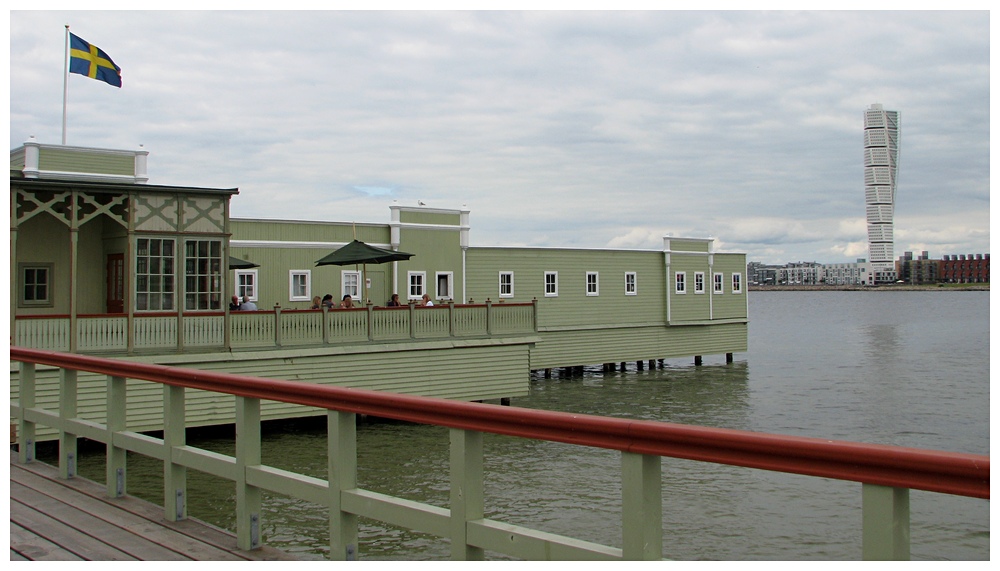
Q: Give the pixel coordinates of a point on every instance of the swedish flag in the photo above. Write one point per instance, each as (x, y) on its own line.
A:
(91, 61)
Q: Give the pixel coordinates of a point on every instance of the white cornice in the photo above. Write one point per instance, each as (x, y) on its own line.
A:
(292, 244)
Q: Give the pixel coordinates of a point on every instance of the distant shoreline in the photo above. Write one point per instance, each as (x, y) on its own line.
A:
(890, 287)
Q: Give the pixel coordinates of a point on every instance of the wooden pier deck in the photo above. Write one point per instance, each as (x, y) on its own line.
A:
(52, 519)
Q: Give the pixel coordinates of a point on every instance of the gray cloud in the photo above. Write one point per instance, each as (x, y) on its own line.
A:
(585, 129)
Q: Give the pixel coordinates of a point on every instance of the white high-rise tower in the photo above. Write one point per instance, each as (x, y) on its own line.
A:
(881, 160)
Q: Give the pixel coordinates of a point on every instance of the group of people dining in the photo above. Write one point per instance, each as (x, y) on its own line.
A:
(236, 304)
(348, 302)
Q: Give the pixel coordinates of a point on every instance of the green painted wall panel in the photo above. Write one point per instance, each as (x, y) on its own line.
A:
(73, 160)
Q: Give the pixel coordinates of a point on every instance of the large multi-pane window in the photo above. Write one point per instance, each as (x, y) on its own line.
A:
(551, 284)
(202, 274)
(506, 284)
(154, 274)
(36, 285)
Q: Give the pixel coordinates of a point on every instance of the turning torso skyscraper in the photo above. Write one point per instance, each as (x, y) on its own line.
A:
(881, 169)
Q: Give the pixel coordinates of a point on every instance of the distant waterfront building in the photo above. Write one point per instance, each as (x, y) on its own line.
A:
(800, 273)
(845, 274)
(881, 164)
(965, 268)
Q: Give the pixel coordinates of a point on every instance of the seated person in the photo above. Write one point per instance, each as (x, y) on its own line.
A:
(248, 305)
(426, 301)
(328, 301)
(393, 301)
(316, 302)
(234, 303)
(347, 302)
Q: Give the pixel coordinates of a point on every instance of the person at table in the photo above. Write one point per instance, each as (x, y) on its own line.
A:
(426, 301)
(316, 302)
(347, 302)
(234, 303)
(248, 305)
(393, 301)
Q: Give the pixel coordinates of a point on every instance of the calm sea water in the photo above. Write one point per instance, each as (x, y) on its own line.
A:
(902, 368)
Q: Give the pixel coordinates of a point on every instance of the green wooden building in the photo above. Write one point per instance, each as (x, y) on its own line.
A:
(104, 263)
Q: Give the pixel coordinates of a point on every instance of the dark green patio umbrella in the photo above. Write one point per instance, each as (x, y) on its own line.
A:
(238, 264)
(357, 252)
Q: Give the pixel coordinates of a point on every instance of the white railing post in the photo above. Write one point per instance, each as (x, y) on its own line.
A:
(885, 523)
(115, 466)
(26, 398)
(642, 507)
(174, 475)
(467, 496)
(67, 410)
(342, 473)
(248, 498)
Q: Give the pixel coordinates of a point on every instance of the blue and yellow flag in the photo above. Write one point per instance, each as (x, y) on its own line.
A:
(91, 61)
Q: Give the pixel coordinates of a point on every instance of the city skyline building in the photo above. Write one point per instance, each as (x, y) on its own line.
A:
(881, 168)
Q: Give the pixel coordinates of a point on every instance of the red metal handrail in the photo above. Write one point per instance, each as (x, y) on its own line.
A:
(894, 466)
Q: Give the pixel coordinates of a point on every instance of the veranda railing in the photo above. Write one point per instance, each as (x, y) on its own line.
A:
(886, 473)
(171, 331)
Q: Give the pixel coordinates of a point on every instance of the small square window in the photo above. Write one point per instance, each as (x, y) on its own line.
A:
(36, 285)
(630, 283)
(416, 282)
(299, 286)
(592, 284)
(551, 284)
(506, 284)
(246, 284)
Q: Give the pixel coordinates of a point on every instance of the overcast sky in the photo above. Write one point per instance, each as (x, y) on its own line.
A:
(580, 129)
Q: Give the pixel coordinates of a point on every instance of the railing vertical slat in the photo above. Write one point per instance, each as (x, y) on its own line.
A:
(248, 498)
(885, 523)
(67, 409)
(174, 475)
(642, 507)
(467, 496)
(26, 432)
(342, 469)
(115, 469)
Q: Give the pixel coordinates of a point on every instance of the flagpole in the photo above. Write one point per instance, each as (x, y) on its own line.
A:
(65, 83)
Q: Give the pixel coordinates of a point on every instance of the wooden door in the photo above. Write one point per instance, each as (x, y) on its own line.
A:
(116, 283)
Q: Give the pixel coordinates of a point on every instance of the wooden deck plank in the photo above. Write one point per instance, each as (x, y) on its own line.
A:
(117, 520)
(83, 546)
(28, 546)
(138, 538)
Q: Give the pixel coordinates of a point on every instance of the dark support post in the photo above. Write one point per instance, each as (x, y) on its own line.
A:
(729, 357)
(639, 365)
(548, 373)
(697, 360)
(621, 366)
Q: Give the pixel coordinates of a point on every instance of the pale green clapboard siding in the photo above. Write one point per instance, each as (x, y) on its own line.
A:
(689, 306)
(17, 160)
(430, 217)
(589, 347)
(74, 160)
(472, 371)
(572, 306)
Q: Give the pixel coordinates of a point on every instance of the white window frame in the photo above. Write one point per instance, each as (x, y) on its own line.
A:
(596, 283)
(346, 288)
(718, 283)
(242, 289)
(631, 286)
(307, 275)
(449, 288)
(22, 271)
(699, 282)
(737, 282)
(164, 277)
(555, 284)
(416, 285)
(506, 290)
(680, 283)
